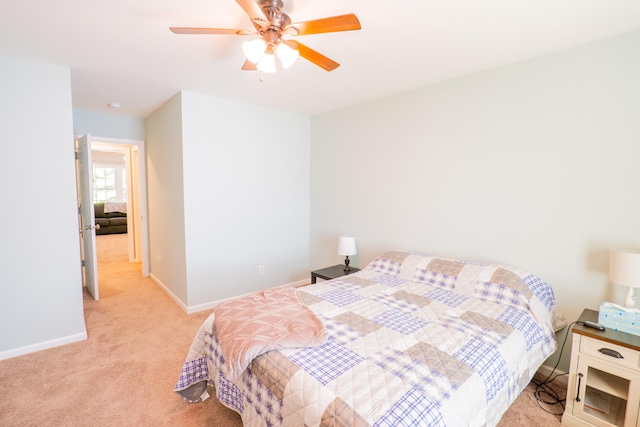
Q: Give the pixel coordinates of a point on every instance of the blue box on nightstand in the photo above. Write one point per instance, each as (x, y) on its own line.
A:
(619, 318)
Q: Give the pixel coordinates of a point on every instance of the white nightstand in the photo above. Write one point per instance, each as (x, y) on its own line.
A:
(604, 377)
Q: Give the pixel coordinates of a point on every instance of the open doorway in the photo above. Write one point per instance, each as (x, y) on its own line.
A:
(112, 199)
(114, 194)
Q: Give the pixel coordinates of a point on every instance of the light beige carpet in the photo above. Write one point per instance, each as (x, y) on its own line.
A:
(124, 373)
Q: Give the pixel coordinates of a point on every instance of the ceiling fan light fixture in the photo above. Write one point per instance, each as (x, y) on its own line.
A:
(267, 63)
(286, 55)
(254, 50)
(271, 23)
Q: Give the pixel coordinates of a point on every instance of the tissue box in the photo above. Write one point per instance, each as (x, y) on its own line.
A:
(619, 318)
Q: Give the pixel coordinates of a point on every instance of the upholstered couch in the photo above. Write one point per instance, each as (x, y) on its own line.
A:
(112, 221)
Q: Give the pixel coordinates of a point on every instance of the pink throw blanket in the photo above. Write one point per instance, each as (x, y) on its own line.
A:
(264, 321)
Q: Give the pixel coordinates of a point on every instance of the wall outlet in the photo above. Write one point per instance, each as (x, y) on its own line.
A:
(261, 269)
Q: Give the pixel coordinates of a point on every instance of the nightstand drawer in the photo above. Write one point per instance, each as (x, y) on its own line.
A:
(630, 358)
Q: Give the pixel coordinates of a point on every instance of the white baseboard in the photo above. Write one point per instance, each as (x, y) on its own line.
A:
(210, 305)
(21, 351)
(168, 292)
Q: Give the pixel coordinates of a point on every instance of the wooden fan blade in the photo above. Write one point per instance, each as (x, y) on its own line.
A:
(194, 30)
(255, 12)
(311, 55)
(249, 66)
(325, 25)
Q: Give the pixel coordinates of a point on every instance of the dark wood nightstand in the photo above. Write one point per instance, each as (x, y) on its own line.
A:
(331, 272)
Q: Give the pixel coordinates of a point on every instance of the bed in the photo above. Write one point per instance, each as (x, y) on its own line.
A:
(409, 340)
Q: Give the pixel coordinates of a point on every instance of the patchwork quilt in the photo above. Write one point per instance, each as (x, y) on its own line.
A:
(412, 340)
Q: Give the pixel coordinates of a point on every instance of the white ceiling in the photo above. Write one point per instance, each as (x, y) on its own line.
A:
(122, 50)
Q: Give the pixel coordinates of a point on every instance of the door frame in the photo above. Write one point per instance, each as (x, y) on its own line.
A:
(138, 175)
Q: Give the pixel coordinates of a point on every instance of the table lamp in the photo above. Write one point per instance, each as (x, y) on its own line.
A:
(624, 269)
(346, 247)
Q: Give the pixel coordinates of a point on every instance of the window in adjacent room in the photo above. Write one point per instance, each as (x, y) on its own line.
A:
(109, 183)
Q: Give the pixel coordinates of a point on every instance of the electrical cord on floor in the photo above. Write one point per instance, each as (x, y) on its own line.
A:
(543, 392)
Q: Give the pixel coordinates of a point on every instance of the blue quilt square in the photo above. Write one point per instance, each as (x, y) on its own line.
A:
(387, 280)
(487, 362)
(541, 290)
(400, 321)
(229, 394)
(413, 409)
(326, 362)
(521, 321)
(446, 297)
(192, 372)
(340, 297)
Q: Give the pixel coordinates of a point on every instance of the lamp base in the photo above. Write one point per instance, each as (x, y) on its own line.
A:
(630, 297)
(346, 264)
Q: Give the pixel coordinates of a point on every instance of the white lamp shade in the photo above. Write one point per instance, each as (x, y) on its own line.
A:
(347, 245)
(624, 267)
(254, 50)
(267, 63)
(287, 55)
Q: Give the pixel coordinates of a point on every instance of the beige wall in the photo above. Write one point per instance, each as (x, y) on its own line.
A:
(228, 191)
(165, 189)
(533, 164)
(40, 265)
(246, 197)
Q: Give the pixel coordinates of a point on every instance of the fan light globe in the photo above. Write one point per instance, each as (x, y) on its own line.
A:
(267, 63)
(286, 55)
(254, 50)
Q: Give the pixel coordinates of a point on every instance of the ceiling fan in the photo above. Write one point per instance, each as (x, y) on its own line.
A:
(274, 28)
